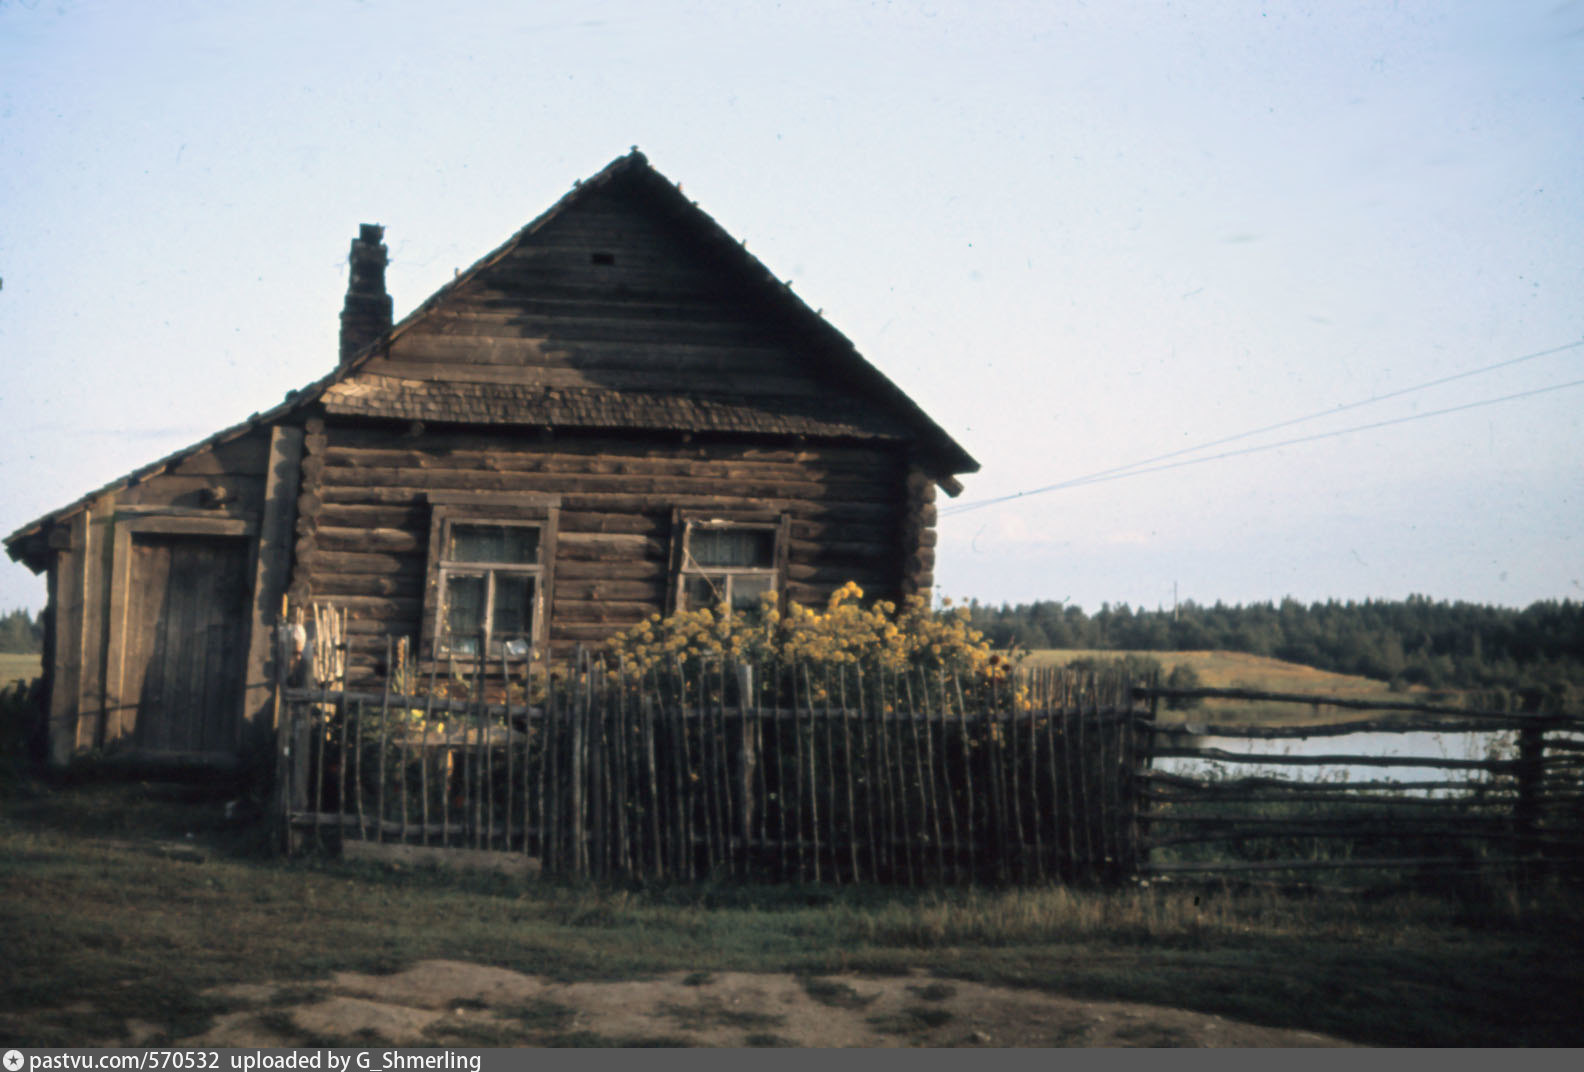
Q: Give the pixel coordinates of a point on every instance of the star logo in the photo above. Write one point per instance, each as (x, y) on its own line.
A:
(13, 1060)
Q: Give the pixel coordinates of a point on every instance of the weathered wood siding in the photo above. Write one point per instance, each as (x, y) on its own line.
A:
(364, 520)
(612, 295)
(235, 469)
(186, 644)
(89, 705)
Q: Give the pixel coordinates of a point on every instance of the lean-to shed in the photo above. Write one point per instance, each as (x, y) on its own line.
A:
(618, 412)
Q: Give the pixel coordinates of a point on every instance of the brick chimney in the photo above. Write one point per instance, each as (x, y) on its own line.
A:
(367, 313)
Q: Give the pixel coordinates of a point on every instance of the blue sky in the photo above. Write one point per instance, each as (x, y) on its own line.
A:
(1080, 235)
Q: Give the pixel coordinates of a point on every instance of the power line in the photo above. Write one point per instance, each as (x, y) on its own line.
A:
(1343, 408)
(1119, 473)
(1094, 477)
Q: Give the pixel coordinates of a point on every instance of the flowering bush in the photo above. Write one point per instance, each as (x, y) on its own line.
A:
(846, 633)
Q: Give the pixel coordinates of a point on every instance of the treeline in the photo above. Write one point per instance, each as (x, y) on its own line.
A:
(1522, 658)
(21, 632)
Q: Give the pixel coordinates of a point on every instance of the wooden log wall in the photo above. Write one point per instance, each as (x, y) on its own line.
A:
(918, 535)
(613, 315)
(363, 519)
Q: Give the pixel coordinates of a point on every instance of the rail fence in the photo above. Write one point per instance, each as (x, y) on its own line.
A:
(1474, 792)
(764, 773)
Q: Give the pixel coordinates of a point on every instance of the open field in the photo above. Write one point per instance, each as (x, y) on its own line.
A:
(1216, 669)
(126, 905)
(1237, 670)
(14, 666)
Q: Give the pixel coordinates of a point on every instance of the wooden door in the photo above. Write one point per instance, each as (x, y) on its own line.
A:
(185, 642)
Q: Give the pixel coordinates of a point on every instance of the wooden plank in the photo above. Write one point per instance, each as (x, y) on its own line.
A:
(386, 564)
(413, 515)
(603, 547)
(1210, 789)
(309, 500)
(652, 523)
(581, 503)
(271, 575)
(1166, 733)
(632, 445)
(1223, 756)
(650, 592)
(872, 580)
(176, 616)
(229, 611)
(565, 634)
(485, 313)
(98, 557)
(532, 270)
(184, 524)
(141, 680)
(240, 491)
(487, 336)
(917, 572)
(122, 641)
(246, 455)
(365, 608)
(875, 479)
(337, 538)
(1320, 700)
(700, 357)
(744, 383)
(656, 488)
(65, 675)
(611, 569)
(570, 612)
(333, 585)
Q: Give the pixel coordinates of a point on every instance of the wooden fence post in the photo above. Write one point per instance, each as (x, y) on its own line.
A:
(1530, 772)
(1143, 759)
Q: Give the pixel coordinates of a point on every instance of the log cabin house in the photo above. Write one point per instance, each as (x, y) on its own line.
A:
(618, 412)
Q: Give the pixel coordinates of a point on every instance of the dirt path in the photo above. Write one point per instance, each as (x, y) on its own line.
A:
(442, 1002)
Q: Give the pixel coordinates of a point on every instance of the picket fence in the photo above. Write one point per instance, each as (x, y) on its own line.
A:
(750, 772)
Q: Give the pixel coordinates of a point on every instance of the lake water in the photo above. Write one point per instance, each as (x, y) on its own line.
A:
(1420, 745)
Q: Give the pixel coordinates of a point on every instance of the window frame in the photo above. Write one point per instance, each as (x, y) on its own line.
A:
(447, 512)
(684, 523)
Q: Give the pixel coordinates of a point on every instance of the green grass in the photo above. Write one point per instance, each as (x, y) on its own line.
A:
(91, 916)
(1237, 670)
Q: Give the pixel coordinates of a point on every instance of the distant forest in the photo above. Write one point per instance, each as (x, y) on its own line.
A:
(1526, 658)
(21, 632)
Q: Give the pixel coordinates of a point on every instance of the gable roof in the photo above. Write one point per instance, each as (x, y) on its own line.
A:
(868, 405)
(861, 402)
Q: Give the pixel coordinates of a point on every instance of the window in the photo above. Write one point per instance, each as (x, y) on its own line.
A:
(489, 578)
(727, 562)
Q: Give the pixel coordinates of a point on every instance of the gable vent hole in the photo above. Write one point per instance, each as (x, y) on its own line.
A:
(603, 258)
